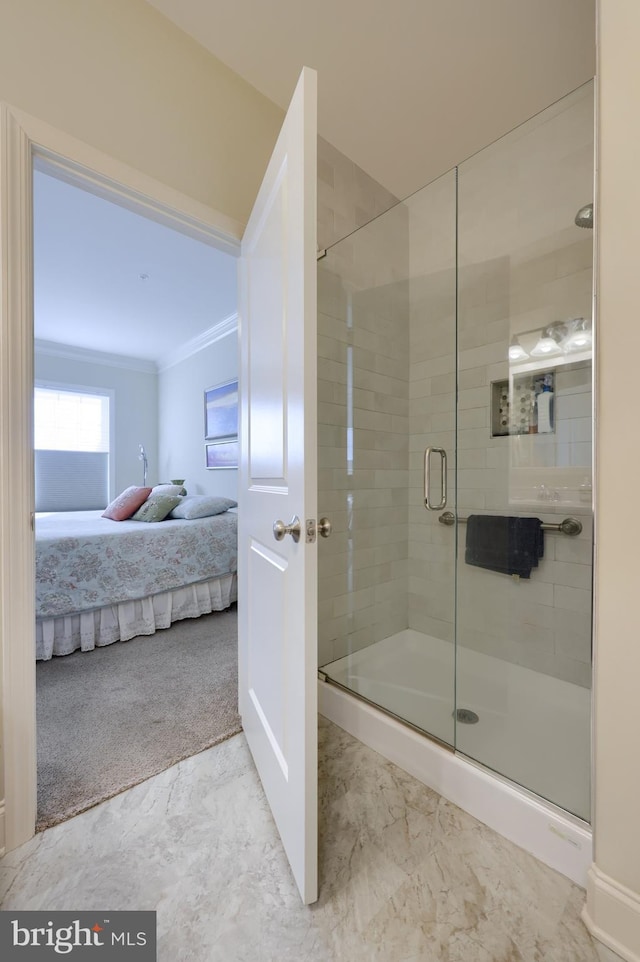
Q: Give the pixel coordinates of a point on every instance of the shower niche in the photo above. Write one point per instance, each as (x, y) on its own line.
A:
(517, 406)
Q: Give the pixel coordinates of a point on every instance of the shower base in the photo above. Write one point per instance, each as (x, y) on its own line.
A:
(533, 731)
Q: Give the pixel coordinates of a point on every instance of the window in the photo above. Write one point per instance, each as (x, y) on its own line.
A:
(71, 440)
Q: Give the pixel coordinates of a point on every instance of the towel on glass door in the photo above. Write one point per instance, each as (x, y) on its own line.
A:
(511, 546)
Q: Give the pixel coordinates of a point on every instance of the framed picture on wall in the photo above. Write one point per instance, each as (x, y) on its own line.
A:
(221, 411)
(222, 454)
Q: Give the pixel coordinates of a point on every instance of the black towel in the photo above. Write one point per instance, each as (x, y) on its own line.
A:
(512, 546)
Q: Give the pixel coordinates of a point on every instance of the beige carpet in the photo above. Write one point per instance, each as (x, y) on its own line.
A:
(110, 718)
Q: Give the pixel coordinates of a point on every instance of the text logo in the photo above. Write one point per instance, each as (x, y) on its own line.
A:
(79, 935)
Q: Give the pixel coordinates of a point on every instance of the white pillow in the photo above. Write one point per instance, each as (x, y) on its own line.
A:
(201, 506)
(169, 489)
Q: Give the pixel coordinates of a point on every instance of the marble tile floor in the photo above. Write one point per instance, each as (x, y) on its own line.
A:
(405, 875)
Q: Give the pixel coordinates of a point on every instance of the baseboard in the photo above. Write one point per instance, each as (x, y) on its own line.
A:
(612, 907)
(555, 838)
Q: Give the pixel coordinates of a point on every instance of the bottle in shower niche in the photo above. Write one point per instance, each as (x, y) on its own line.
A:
(544, 406)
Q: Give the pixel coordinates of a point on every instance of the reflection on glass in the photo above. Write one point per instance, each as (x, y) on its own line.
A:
(387, 372)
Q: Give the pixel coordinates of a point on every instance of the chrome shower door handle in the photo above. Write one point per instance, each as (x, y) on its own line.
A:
(428, 503)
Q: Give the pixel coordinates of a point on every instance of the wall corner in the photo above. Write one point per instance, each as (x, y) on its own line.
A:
(613, 908)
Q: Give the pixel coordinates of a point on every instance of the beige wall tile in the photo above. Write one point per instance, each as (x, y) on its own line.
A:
(522, 265)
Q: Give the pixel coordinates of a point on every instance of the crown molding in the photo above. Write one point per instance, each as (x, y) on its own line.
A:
(86, 355)
(68, 351)
(222, 329)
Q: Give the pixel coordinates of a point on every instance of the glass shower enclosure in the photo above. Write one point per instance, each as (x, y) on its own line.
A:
(455, 447)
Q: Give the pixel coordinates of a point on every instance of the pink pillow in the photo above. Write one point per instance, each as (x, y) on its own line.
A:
(126, 503)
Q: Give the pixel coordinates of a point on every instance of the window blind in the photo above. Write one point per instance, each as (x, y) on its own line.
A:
(71, 480)
(71, 435)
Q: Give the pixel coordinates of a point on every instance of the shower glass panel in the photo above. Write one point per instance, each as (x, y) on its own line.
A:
(460, 322)
(524, 450)
(386, 374)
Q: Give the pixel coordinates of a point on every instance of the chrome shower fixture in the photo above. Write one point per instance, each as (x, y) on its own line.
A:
(584, 217)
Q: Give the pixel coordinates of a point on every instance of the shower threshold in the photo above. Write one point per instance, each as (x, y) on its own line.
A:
(554, 836)
(352, 693)
(532, 729)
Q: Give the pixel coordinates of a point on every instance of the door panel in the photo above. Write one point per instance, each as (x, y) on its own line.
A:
(277, 591)
(267, 372)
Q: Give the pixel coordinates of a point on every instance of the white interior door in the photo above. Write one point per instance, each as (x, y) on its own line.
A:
(277, 579)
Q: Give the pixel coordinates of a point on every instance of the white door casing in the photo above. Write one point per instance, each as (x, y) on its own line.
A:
(17, 581)
(277, 580)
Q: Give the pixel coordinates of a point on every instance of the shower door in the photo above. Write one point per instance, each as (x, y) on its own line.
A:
(386, 433)
(454, 397)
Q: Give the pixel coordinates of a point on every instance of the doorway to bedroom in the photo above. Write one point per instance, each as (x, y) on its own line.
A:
(143, 316)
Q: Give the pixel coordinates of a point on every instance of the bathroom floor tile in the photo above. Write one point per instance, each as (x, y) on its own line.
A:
(404, 874)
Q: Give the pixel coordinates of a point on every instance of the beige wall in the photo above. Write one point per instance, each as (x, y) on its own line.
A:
(119, 76)
(614, 890)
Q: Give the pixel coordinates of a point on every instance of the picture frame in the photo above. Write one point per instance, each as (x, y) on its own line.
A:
(221, 454)
(221, 411)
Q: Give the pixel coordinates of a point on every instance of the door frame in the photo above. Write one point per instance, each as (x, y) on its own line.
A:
(26, 141)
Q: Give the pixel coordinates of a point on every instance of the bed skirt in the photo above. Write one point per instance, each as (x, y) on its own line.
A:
(94, 629)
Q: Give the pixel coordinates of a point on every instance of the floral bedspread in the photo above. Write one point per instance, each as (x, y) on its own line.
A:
(84, 561)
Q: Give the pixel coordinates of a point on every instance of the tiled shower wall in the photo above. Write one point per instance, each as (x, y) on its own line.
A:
(387, 383)
(523, 264)
(363, 408)
(544, 623)
(362, 396)
(348, 197)
(432, 392)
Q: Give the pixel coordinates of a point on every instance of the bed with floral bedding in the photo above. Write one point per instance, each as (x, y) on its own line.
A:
(99, 581)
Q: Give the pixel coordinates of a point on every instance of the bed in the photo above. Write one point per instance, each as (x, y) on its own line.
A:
(99, 581)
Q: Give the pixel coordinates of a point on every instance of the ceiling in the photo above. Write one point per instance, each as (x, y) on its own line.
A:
(409, 88)
(406, 90)
(110, 280)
